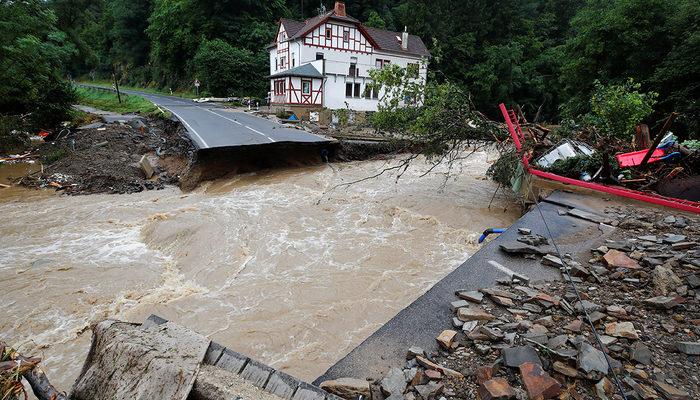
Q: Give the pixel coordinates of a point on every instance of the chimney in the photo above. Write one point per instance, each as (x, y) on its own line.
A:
(339, 8)
(404, 38)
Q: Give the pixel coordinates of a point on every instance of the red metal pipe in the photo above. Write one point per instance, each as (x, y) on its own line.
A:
(680, 204)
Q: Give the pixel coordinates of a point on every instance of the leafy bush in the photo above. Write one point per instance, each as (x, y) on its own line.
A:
(617, 109)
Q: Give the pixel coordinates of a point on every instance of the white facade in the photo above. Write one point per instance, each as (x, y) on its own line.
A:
(341, 52)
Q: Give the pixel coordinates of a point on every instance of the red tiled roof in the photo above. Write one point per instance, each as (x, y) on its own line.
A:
(380, 38)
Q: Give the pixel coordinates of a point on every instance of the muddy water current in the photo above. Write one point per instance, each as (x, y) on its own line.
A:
(273, 264)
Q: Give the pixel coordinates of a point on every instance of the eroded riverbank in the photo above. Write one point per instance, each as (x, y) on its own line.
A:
(255, 262)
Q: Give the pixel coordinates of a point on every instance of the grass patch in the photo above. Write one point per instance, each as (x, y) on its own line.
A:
(108, 101)
(178, 92)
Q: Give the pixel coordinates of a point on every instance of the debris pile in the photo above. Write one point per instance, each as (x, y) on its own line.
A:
(663, 165)
(117, 157)
(640, 291)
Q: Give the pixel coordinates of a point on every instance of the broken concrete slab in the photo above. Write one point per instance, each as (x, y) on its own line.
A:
(127, 361)
(689, 348)
(496, 389)
(474, 313)
(521, 248)
(617, 259)
(347, 388)
(591, 359)
(516, 356)
(232, 361)
(538, 383)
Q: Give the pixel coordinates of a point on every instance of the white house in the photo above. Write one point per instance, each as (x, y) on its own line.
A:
(325, 61)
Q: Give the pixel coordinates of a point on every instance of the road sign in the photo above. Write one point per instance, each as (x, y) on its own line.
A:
(196, 82)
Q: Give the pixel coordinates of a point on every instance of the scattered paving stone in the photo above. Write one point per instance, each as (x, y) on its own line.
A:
(429, 390)
(533, 240)
(446, 338)
(670, 392)
(516, 356)
(648, 238)
(589, 306)
(552, 261)
(621, 329)
(521, 248)
(662, 302)
(616, 311)
(524, 231)
(496, 389)
(503, 301)
(347, 388)
(565, 369)
(640, 353)
(591, 359)
(469, 326)
(474, 314)
(664, 279)
(538, 383)
(471, 295)
(604, 388)
(617, 259)
(693, 281)
(433, 374)
(574, 326)
(643, 391)
(414, 351)
(457, 323)
(683, 245)
(394, 382)
(689, 348)
(671, 238)
(458, 304)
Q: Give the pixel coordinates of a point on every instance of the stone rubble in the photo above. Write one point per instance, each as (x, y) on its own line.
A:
(638, 287)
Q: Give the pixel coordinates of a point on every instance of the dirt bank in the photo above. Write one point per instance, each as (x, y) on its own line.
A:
(107, 158)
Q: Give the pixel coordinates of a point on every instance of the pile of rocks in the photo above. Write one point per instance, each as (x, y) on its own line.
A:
(639, 290)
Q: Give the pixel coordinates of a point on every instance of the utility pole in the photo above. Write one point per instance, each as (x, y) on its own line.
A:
(116, 86)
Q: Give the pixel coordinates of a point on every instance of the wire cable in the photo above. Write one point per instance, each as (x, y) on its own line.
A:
(578, 296)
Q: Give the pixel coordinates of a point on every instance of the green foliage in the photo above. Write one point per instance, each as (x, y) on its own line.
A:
(12, 138)
(573, 167)
(54, 155)
(32, 52)
(225, 70)
(653, 41)
(375, 20)
(692, 144)
(108, 101)
(343, 115)
(617, 109)
(439, 118)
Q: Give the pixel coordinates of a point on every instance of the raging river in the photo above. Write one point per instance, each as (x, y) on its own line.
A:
(275, 265)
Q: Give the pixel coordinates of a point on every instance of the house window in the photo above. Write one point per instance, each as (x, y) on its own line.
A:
(279, 87)
(353, 90)
(319, 56)
(353, 71)
(371, 92)
(293, 60)
(378, 63)
(282, 62)
(412, 70)
(329, 33)
(282, 37)
(306, 87)
(276, 63)
(346, 36)
(386, 63)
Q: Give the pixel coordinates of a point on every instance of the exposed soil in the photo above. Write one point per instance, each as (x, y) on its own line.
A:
(106, 158)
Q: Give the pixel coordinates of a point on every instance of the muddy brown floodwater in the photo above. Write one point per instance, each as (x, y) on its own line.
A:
(255, 262)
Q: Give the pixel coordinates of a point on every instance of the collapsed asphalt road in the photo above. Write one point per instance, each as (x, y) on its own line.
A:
(211, 126)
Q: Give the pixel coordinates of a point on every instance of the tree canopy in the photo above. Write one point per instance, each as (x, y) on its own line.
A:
(543, 55)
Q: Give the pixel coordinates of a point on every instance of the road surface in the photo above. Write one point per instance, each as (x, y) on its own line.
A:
(212, 126)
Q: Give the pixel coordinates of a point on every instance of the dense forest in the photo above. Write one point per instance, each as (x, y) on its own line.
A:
(541, 54)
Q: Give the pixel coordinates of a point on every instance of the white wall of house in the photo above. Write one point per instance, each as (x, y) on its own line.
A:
(340, 45)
